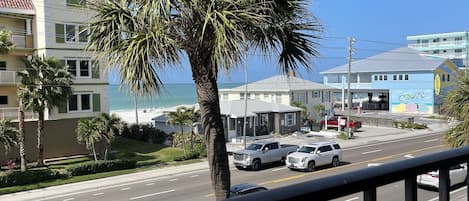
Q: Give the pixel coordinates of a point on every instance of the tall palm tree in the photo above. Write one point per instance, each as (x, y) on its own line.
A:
(88, 134)
(45, 84)
(142, 37)
(8, 134)
(108, 127)
(5, 42)
(456, 105)
(183, 117)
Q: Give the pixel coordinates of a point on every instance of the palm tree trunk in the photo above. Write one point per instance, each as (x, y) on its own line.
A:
(205, 78)
(94, 152)
(183, 140)
(192, 141)
(40, 139)
(22, 136)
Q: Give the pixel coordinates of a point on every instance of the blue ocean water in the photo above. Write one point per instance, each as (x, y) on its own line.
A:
(171, 95)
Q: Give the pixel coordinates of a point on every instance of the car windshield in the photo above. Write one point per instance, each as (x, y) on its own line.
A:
(254, 147)
(306, 149)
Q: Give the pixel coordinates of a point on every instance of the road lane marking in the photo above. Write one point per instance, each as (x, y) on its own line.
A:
(209, 195)
(352, 199)
(124, 189)
(390, 141)
(153, 194)
(374, 164)
(69, 199)
(278, 169)
(194, 176)
(346, 166)
(369, 152)
(97, 194)
(432, 140)
(150, 184)
(173, 179)
(409, 156)
(455, 191)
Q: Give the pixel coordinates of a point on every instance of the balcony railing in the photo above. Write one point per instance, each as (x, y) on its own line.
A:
(438, 44)
(22, 41)
(11, 113)
(368, 179)
(9, 77)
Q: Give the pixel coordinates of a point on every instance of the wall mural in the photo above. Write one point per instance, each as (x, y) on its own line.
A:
(418, 101)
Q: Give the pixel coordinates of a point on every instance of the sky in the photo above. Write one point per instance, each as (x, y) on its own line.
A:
(377, 25)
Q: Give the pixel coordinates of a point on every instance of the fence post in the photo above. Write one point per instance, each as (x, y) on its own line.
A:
(411, 187)
(370, 194)
(444, 183)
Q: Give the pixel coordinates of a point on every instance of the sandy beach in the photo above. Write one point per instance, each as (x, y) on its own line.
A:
(145, 114)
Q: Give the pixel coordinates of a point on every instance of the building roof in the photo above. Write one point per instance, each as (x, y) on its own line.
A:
(402, 59)
(235, 108)
(283, 83)
(438, 35)
(17, 6)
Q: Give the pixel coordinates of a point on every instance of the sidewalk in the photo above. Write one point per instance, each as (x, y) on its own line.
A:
(366, 136)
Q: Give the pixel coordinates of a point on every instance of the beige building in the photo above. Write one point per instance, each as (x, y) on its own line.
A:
(53, 28)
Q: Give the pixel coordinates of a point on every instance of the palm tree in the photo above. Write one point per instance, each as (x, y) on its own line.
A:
(88, 134)
(304, 112)
(5, 42)
(456, 105)
(183, 117)
(8, 134)
(108, 127)
(195, 117)
(45, 84)
(142, 37)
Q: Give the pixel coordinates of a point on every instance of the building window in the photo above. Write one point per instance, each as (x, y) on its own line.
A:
(385, 77)
(257, 96)
(315, 94)
(3, 65)
(376, 77)
(400, 77)
(380, 77)
(3, 100)
(266, 96)
(436, 51)
(447, 78)
(458, 38)
(241, 96)
(83, 70)
(278, 98)
(443, 76)
(79, 102)
(394, 77)
(406, 77)
(248, 96)
(76, 33)
(290, 119)
(458, 50)
(225, 96)
(436, 40)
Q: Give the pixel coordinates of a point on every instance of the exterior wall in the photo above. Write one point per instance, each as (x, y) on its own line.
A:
(357, 80)
(9, 91)
(442, 87)
(262, 95)
(283, 128)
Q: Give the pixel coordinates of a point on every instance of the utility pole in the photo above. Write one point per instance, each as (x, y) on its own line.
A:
(467, 54)
(245, 123)
(351, 40)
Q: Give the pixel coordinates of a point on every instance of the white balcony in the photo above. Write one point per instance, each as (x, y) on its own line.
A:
(11, 113)
(445, 44)
(22, 41)
(9, 77)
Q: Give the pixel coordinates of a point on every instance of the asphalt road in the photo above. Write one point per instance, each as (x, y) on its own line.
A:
(195, 186)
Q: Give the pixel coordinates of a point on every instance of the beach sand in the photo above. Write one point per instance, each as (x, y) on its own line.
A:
(145, 114)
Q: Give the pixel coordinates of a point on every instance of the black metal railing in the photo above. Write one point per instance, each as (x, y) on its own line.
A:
(368, 179)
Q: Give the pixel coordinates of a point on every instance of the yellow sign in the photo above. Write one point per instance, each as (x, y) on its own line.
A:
(437, 84)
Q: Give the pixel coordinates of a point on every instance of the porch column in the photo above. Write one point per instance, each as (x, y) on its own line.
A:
(28, 27)
(255, 125)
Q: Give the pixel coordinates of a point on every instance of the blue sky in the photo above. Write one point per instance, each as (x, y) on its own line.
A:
(366, 20)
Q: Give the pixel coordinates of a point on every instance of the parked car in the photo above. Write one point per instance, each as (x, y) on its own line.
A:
(259, 153)
(309, 156)
(333, 122)
(245, 188)
(457, 175)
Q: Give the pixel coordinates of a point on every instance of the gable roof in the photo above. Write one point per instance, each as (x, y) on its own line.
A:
(17, 6)
(235, 108)
(400, 59)
(282, 83)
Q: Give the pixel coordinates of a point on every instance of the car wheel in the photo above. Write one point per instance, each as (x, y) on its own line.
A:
(282, 161)
(335, 161)
(311, 166)
(256, 165)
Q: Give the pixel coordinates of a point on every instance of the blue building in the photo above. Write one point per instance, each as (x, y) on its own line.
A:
(400, 80)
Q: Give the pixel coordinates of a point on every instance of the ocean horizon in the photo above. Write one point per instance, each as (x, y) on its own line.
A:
(171, 95)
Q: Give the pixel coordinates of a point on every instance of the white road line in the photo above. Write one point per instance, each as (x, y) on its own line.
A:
(173, 179)
(124, 189)
(96, 194)
(153, 194)
(390, 142)
(150, 184)
(432, 140)
(374, 164)
(69, 199)
(455, 191)
(374, 151)
(409, 156)
(194, 176)
(351, 199)
(278, 169)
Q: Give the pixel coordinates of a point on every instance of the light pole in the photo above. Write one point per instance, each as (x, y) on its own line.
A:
(349, 98)
(245, 101)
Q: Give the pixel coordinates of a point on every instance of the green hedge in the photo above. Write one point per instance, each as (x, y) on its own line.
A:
(408, 125)
(15, 178)
(189, 156)
(99, 166)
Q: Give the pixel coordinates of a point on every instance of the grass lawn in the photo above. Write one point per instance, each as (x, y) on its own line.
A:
(149, 156)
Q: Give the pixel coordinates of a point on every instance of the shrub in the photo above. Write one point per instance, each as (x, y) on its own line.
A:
(15, 178)
(343, 136)
(92, 167)
(145, 133)
(192, 155)
(408, 125)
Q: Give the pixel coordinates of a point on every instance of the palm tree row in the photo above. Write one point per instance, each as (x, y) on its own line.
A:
(140, 38)
(184, 116)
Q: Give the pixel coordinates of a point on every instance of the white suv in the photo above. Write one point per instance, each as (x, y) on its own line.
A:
(315, 154)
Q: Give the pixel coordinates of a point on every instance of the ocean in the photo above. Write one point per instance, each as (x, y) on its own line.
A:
(171, 95)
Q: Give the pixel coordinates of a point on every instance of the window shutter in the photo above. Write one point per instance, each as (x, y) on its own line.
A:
(96, 102)
(59, 33)
(63, 107)
(95, 69)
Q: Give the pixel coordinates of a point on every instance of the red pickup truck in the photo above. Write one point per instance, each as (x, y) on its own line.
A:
(333, 122)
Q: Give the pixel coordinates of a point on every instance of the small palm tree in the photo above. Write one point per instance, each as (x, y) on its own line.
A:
(183, 117)
(8, 134)
(46, 83)
(88, 134)
(304, 112)
(5, 42)
(195, 117)
(108, 127)
(456, 105)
